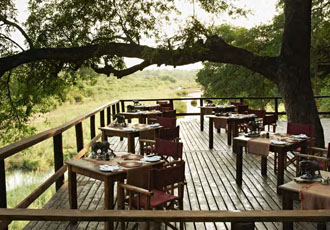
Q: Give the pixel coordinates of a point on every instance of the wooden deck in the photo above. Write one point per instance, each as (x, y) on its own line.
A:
(211, 185)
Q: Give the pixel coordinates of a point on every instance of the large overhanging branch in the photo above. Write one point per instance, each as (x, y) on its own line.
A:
(214, 49)
(20, 29)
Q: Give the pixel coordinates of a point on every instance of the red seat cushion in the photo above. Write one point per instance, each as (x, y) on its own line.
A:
(157, 199)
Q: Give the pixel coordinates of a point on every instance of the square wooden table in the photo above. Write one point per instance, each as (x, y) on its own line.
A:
(141, 115)
(208, 110)
(130, 132)
(290, 192)
(91, 169)
(281, 150)
(232, 122)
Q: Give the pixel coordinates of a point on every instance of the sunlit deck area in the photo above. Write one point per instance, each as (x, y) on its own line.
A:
(210, 176)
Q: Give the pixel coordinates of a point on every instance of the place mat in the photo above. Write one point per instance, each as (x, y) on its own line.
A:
(315, 196)
(285, 137)
(258, 146)
(130, 164)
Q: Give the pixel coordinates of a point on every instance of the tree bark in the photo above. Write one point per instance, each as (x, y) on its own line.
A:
(293, 76)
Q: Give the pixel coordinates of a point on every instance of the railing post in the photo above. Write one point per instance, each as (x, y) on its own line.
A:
(113, 107)
(241, 100)
(201, 102)
(122, 106)
(102, 124)
(92, 126)
(117, 107)
(276, 107)
(3, 192)
(58, 158)
(171, 103)
(108, 116)
(79, 137)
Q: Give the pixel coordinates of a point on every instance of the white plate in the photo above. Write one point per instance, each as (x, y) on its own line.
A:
(151, 159)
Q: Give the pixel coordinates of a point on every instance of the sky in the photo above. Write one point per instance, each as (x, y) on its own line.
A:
(262, 12)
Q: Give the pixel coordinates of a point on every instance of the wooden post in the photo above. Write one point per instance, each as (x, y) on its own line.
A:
(3, 193)
(79, 137)
(102, 123)
(113, 107)
(276, 107)
(92, 126)
(108, 116)
(122, 106)
(171, 103)
(241, 100)
(118, 107)
(58, 158)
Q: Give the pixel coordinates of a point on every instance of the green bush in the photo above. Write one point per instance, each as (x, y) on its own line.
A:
(193, 103)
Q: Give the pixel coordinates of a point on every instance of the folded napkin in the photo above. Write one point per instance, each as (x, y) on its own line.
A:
(315, 196)
(300, 136)
(109, 168)
(258, 146)
(277, 142)
(129, 129)
(154, 125)
(151, 159)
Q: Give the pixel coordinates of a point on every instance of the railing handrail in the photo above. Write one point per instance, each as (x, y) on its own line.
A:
(166, 216)
(12, 149)
(215, 98)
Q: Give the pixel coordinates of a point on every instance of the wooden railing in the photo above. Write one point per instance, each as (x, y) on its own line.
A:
(105, 110)
(239, 219)
(276, 102)
(56, 133)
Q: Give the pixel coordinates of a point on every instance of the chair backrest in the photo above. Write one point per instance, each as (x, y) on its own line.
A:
(164, 105)
(236, 103)
(269, 120)
(258, 112)
(169, 113)
(168, 148)
(296, 129)
(167, 122)
(168, 175)
(242, 108)
(170, 133)
(140, 177)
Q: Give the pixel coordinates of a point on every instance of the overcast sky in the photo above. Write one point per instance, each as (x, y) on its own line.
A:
(262, 11)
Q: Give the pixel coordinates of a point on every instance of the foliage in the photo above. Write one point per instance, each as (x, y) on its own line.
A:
(217, 79)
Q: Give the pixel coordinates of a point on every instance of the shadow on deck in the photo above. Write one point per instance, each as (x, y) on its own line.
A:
(211, 185)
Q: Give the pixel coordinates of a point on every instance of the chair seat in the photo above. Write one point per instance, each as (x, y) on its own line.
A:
(159, 198)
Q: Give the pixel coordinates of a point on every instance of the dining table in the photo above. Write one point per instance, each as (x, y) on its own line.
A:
(129, 131)
(141, 115)
(277, 143)
(209, 109)
(101, 170)
(292, 191)
(231, 122)
(147, 107)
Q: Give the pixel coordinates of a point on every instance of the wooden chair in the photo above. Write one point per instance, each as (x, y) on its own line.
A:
(260, 113)
(164, 105)
(147, 138)
(296, 129)
(321, 155)
(242, 109)
(167, 122)
(169, 113)
(172, 134)
(270, 120)
(148, 188)
(168, 149)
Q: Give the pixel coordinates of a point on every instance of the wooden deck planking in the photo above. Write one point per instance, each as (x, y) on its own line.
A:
(210, 176)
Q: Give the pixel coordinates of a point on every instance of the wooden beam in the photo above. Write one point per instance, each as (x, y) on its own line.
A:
(79, 136)
(92, 126)
(58, 158)
(167, 216)
(3, 193)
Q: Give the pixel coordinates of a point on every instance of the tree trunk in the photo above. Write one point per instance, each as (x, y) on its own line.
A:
(293, 75)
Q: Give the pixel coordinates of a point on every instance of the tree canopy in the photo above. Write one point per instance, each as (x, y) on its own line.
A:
(63, 36)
